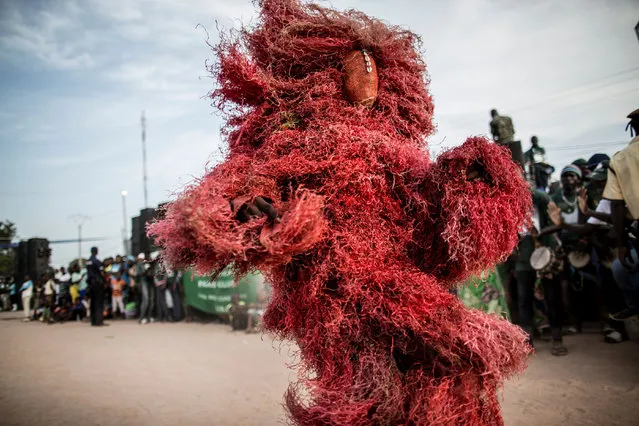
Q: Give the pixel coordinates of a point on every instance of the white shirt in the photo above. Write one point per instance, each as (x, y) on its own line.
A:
(571, 218)
(28, 292)
(603, 207)
(49, 288)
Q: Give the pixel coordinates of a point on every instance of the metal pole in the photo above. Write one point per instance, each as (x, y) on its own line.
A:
(80, 219)
(124, 227)
(146, 197)
(79, 243)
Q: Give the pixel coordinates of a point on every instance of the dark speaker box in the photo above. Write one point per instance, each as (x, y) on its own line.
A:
(22, 260)
(38, 258)
(135, 236)
(146, 217)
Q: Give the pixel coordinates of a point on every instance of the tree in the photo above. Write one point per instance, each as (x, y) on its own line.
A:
(7, 233)
(8, 230)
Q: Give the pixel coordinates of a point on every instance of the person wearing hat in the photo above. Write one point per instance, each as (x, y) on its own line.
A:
(566, 199)
(622, 189)
(596, 159)
(583, 166)
(595, 187)
(597, 229)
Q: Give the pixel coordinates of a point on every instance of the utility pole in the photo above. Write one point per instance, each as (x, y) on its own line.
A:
(146, 196)
(79, 219)
(125, 238)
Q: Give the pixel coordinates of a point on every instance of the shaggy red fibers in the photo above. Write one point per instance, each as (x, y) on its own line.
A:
(372, 233)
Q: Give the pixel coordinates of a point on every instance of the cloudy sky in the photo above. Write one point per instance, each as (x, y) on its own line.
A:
(75, 76)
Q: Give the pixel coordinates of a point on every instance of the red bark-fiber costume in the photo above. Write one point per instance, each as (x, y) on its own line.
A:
(372, 235)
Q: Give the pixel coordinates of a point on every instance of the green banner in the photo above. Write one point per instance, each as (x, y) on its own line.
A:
(214, 297)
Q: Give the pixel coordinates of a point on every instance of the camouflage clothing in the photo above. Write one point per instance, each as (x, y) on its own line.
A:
(502, 129)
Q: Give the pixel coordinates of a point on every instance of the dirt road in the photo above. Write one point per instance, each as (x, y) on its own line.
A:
(192, 374)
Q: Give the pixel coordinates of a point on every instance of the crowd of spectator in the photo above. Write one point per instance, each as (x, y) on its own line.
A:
(124, 287)
(578, 261)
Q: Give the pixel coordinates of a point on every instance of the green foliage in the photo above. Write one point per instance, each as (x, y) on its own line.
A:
(7, 256)
(8, 230)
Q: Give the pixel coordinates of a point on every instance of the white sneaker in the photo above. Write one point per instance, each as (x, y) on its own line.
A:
(152, 319)
(144, 321)
(26, 320)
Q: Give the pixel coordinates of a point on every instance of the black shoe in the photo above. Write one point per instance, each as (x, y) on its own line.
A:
(625, 314)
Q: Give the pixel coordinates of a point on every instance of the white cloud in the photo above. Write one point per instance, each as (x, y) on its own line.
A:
(38, 33)
(61, 161)
(548, 64)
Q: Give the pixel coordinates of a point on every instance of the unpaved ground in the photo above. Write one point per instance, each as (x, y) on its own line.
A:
(192, 374)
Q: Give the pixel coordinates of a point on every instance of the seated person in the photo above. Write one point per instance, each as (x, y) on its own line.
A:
(78, 311)
(62, 313)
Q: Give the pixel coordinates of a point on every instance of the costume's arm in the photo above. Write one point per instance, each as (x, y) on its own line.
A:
(431, 327)
(477, 202)
(202, 228)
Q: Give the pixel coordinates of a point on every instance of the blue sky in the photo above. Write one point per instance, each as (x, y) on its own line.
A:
(75, 76)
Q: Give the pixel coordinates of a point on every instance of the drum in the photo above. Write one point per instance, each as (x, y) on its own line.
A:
(578, 259)
(542, 260)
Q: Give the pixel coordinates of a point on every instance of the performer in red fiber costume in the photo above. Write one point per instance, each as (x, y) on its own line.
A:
(327, 188)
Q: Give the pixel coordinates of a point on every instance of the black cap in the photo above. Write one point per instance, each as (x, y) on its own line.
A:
(634, 115)
(596, 159)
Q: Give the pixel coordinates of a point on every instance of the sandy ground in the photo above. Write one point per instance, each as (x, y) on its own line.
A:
(194, 374)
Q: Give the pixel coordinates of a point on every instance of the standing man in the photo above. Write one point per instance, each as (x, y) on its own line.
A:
(27, 291)
(567, 198)
(65, 282)
(96, 287)
(549, 282)
(175, 284)
(537, 166)
(117, 288)
(49, 298)
(622, 189)
(142, 283)
(13, 293)
(502, 128)
(160, 284)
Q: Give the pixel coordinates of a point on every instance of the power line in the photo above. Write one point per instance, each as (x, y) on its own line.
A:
(584, 146)
(582, 87)
(575, 91)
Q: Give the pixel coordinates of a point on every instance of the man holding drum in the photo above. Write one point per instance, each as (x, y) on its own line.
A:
(537, 265)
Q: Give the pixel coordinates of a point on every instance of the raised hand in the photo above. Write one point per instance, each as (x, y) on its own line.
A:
(256, 208)
(583, 200)
(555, 213)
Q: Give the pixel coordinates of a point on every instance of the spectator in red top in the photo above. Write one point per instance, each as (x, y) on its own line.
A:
(117, 285)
